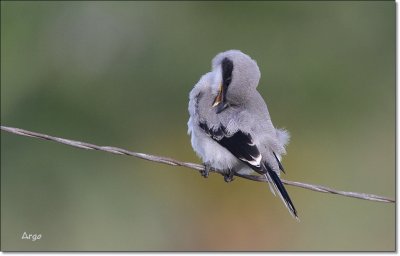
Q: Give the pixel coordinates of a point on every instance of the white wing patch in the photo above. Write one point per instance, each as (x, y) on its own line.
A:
(255, 162)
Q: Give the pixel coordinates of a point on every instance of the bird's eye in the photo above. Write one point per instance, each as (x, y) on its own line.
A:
(227, 68)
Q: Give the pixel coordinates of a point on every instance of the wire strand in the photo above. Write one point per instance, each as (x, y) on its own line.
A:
(198, 167)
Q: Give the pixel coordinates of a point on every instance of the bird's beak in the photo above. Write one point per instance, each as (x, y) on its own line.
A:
(220, 97)
(219, 101)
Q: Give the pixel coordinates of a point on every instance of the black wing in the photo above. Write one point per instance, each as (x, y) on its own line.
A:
(240, 144)
(279, 163)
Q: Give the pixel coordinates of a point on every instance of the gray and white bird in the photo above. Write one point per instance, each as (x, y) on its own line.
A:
(230, 126)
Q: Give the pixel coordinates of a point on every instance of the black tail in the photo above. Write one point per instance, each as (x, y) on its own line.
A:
(281, 190)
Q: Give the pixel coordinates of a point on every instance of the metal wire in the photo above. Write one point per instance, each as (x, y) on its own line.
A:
(173, 162)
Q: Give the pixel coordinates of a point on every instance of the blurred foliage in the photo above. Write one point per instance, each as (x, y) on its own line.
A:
(119, 73)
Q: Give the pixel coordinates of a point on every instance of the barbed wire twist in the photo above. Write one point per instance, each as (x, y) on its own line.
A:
(198, 167)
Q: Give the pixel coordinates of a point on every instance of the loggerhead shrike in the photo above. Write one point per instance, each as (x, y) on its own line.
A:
(230, 126)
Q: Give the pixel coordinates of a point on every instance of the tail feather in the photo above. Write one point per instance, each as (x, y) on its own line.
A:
(270, 182)
(281, 191)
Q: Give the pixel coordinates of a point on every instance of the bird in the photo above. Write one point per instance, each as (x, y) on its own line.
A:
(230, 125)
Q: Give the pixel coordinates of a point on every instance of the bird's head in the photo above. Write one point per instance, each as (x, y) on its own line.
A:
(235, 76)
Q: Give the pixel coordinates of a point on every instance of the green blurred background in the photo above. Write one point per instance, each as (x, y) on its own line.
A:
(119, 73)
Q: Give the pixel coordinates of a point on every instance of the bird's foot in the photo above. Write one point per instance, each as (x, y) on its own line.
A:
(206, 171)
(228, 176)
